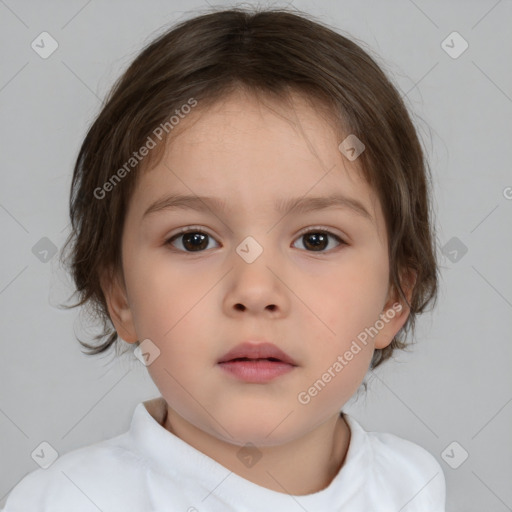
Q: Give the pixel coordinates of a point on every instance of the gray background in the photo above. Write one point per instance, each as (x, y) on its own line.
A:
(456, 383)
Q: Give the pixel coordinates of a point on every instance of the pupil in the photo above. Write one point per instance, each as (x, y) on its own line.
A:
(193, 238)
(319, 240)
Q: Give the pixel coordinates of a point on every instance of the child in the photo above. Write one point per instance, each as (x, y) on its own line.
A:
(250, 209)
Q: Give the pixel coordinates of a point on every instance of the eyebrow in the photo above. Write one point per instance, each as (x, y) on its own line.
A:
(293, 205)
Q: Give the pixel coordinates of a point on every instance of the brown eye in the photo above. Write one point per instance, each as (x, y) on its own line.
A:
(318, 240)
(196, 240)
(192, 240)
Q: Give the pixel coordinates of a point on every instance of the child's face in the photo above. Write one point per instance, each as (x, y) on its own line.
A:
(197, 305)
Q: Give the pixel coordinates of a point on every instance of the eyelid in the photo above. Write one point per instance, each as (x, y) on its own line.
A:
(189, 229)
(329, 230)
(186, 229)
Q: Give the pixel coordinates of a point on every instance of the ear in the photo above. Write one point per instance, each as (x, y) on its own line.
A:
(114, 289)
(395, 312)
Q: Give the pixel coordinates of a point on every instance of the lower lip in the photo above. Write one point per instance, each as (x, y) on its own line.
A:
(257, 371)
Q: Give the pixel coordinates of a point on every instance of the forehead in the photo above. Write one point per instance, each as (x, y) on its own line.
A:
(245, 118)
(256, 156)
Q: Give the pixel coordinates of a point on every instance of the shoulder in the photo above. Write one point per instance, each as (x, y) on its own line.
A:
(406, 457)
(88, 478)
(402, 470)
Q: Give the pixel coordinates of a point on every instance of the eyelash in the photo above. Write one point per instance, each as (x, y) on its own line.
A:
(200, 229)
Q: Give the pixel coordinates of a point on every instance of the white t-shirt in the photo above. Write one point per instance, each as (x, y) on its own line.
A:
(149, 469)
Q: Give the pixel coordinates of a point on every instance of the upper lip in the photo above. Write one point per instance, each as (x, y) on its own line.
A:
(254, 350)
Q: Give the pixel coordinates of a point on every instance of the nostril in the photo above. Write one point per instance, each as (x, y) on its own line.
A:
(241, 307)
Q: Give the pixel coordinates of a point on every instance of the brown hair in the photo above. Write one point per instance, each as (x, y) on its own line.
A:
(267, 52)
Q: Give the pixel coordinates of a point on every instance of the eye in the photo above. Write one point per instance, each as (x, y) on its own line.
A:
(194, 239)
(318, 239)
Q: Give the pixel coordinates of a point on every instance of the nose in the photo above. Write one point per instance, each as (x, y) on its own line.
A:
(257, 287)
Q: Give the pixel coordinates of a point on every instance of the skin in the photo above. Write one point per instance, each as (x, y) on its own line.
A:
(196, 305)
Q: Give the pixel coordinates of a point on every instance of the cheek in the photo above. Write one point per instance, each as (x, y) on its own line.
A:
(333, 384)
(176, 319)
(161, 294)
(349, 300)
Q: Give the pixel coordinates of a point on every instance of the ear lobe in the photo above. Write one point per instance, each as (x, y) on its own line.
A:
(395, 312)
(393, 318)
(114, 290)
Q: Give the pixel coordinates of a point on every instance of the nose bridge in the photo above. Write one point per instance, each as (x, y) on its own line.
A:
(255, 255)
(255, 284)
(250, 249)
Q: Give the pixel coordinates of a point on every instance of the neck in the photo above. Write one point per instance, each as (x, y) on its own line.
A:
(303, 466)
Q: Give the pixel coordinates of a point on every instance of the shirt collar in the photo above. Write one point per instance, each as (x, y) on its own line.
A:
(182, 462)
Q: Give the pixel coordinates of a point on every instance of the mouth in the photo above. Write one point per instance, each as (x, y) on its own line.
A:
(256, 363)
(275, 359)
(256, 371)
(254, 351)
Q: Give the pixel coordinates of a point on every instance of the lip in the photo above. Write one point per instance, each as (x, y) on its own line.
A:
(256, 362)
(253, 350)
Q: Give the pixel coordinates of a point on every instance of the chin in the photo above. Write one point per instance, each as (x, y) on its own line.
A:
(267, 432)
